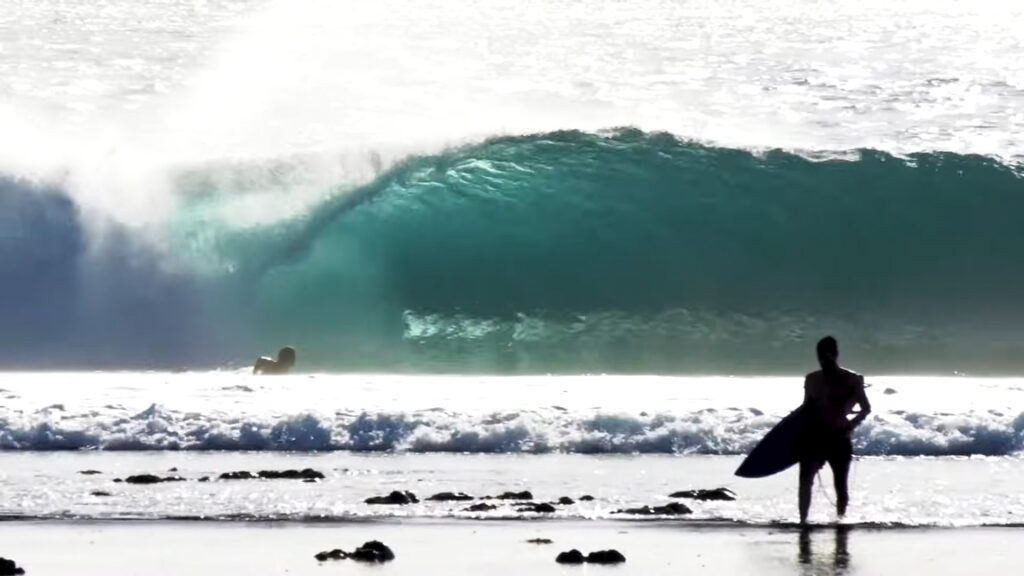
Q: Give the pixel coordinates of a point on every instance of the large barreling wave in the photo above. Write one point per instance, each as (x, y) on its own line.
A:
(623, 251)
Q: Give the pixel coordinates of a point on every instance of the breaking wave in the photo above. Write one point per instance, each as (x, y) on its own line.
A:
(562, 252)
(708, 431)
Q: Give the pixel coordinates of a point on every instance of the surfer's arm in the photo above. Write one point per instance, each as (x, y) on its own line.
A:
(865, 407)
(261, 365)
(807, 391)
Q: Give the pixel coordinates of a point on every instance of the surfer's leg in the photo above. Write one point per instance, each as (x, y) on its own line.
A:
(808, 468)
(839, 461)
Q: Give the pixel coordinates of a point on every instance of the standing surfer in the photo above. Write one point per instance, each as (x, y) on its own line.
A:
(830, 395)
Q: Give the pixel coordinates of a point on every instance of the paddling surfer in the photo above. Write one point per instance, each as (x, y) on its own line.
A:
(830, 395)
(285, 361)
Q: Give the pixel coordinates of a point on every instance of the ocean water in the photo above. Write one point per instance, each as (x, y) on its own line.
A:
(572, 187)
(539, 197)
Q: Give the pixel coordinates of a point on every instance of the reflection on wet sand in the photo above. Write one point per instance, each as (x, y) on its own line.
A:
(835, 564)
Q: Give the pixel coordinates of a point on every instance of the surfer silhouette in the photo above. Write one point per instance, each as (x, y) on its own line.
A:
(830, 394)
(285, 361)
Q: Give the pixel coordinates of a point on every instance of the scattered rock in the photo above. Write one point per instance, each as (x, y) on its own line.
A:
(372, 551)
(573, 556)
(175, 469)
(144, 479)
(540, 541)
(524, 495)
(240, 475)
(542, 508)
(673, 509)
(204, 479)
(723, 494)
(89, 472)
(480, 507)
(335, 554)
(118, 480)
(305, 474)
(9, 568)
(889, 391)
(100, 493)
(586, 498)
(605, 557)
(450, 497)
(151, 479)
(566, 501)
(310, 481)
(395, 498)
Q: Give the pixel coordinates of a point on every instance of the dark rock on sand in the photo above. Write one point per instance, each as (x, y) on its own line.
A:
(605, 557)
(573, 556)
(542, 508)
(175, 469)
(395, 498)
(566, 501)
(239, 475)
(305, 474)
(723, 494)
(100, 493)
(151, 479)
(89, 472)
(204, 479)
(144, 479)
(524, 495)
(540, 541)
(9, 568)
(450, 497)
(889, 391)
(673, 509)
(481, 507)
(335, 554)
(586, 498)
(372, 551)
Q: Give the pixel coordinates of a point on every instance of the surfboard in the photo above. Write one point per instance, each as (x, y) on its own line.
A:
(778, 449)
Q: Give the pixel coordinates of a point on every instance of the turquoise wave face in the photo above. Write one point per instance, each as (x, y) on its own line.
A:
(628, 251)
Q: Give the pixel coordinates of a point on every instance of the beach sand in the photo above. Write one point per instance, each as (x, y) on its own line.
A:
(497, 548)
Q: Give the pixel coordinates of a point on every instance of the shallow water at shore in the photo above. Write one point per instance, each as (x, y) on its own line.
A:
(886, 491)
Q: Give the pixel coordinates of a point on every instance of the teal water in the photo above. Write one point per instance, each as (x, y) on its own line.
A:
(240, 175)
(631, 251)
(563, 252)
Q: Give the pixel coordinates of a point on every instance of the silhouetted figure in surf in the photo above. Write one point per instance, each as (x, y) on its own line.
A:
(285, 361)
(830, 395)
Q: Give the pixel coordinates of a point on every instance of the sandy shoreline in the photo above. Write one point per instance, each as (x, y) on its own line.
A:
(168, 548)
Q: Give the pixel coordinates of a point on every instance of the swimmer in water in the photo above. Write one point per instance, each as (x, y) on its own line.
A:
(285, 361)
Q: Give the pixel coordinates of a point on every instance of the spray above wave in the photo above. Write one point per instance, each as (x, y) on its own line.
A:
(624, 251)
